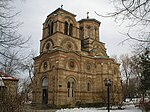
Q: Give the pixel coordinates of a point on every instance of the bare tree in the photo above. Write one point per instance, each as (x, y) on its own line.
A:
(25, 90)
(126, 72)
(135, 14)
(28, 65)
(9, 37)
(132, 73)
(125, 67)
(10, 62)
(10, 40)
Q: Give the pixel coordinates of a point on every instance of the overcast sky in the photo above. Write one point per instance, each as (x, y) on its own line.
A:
(34, 12)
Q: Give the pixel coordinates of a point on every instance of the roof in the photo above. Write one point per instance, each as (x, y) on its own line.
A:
(5, 76)
(92, 19)
(60, 9)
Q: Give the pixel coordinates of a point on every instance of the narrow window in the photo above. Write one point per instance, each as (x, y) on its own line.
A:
(95, 33)
(114, 87)
(81, 33)
(72, 89)
(88, 86)
(66, 28)
(88, 32)
(52, 25)
(70, 29)
(68, 86)
(49, 33)
(82, 37)
(50, 28)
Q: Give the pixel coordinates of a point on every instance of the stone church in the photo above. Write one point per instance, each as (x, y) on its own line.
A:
(73, 64)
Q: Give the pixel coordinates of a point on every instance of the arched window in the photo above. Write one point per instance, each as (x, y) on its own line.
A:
(52, 25)
(50, 28)
(88, 86)
(95, 33)
(45, 90)
(81, 33)
(71, 87)
(70, 29)
(45, 82)
(49, 33)
(88, 31)
(114, 87)
(66, 28)
(68, 86)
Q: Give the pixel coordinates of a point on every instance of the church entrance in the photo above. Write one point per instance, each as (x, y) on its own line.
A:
(45, 90)
(45, 96)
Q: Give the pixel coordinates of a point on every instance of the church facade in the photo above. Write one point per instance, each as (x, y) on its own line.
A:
(73, 63)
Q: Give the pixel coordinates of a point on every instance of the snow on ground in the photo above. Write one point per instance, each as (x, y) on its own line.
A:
(129, 108)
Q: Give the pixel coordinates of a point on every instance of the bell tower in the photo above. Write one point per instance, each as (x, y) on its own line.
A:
(60, 31)
(89, 32)
(89, 35)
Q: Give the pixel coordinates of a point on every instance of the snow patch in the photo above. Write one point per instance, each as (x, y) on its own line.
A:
(128, 108)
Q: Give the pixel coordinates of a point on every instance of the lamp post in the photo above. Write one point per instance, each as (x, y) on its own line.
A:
(108, 83)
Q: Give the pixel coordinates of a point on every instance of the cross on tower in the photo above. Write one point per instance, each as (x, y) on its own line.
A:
(61, 6)
(87, 15)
